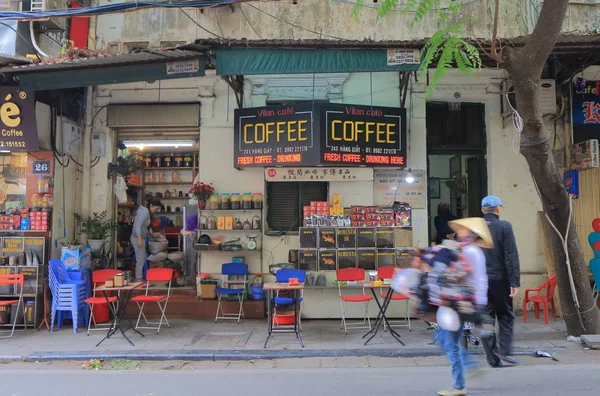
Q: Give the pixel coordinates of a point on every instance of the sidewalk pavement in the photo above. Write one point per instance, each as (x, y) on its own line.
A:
(206, 340)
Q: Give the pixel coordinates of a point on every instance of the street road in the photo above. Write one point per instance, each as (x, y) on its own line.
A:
(574, 379)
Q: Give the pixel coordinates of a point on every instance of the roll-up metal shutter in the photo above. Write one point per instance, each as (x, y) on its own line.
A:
(155, 121)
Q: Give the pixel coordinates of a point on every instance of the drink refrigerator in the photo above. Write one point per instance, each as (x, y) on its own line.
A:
(190, 236)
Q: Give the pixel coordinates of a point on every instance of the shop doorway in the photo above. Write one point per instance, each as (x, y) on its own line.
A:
(456, 161)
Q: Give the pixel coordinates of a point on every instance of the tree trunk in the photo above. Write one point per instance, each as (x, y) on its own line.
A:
(525, 67)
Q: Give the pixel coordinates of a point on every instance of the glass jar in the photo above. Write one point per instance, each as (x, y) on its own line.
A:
(225, 201)
(247, 201)
(238, 224)
(167, 161)
(255, 222)
(178, 161)
(246, 225)
(235, 201)
(157, 161)
(212, 223)
(48, 201)
(36, 200)
(213, 202)
(43, 185)
(187, 161)
(257, 200)
(148, 161)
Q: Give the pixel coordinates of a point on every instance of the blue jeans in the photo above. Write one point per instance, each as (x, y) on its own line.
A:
(469, 362)
(451, 343)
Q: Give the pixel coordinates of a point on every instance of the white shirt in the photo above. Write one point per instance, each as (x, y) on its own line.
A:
(478, 277)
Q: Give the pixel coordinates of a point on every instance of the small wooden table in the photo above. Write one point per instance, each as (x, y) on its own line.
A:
(382, 309)
(270, 288)
(117, 313)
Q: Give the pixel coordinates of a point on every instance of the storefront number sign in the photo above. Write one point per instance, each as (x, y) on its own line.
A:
(41, 167)
(318, 174)
(320, 134)
(18, 129)
(390, 185)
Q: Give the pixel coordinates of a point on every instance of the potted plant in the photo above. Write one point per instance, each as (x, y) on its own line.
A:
(201, 193)
(96, 228)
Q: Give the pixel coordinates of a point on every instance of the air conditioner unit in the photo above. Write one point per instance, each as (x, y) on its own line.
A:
(52, 24)
(547, 97)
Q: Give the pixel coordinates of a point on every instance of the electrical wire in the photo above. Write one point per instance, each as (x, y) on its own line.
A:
(25, 40)
(114, 9)
(295, 25)
(249, 23)
(200, 26)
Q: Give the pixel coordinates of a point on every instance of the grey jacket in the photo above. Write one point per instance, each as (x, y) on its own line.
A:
(502, 261)
(141, 222)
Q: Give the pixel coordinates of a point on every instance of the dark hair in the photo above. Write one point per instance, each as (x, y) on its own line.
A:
(443, 208)
(154, 202)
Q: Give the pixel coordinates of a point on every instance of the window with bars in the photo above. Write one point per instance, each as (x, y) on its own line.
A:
(286, 199)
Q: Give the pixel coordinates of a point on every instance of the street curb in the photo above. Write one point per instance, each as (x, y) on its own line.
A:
(11, 359)
(255, 354)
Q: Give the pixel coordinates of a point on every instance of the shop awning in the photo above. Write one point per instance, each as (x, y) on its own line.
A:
(257, 61)
(139, 66)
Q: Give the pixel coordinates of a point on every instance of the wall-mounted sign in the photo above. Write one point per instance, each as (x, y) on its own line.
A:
(403, 57)
(362, 135)
(18, 128)
(586, 110)
(320, 134)
(276, 135)
(390, 185)
(318, 174)
(584, 155)
(41, 167)
(183, 67)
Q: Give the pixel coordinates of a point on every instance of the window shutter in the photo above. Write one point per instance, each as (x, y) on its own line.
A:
(282, 201)
(312, 191)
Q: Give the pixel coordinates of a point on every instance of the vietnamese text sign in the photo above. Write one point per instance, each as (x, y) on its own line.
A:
(320, 134)
(403, 57)
(18, 128)
(390, 185)
(183, 67)
(362, 135)
(276, 135)
(318, 174)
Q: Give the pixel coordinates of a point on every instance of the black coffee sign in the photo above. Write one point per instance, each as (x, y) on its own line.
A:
(18, 129)
(276, 135)
(362, 135)
(320, 134)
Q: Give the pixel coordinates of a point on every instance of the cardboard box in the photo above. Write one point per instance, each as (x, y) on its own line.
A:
(337, 200)
(207, 291)
(220, 223)
(328, 260)
(229, 223)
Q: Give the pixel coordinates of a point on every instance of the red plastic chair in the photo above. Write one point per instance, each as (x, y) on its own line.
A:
(155, 275)
(541, 299)
(99, 278)
(353, 275)
(387, 273)
(17, 280)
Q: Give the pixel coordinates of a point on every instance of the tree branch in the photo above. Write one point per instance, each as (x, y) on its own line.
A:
(495, 55)
(540, 44)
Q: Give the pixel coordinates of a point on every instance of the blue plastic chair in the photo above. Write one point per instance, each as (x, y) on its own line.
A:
(233, 276)
(284, 275)
(67, 295)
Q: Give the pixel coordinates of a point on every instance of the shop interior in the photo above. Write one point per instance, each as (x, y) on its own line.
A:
(456, 161)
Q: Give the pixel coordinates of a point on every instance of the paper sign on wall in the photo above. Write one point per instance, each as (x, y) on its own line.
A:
(390, 185)
(318, 174)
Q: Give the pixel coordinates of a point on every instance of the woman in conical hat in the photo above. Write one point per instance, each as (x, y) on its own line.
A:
(472, 233)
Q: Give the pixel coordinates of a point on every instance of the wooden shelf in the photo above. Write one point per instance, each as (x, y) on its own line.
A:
(127, 206)
(172, 198)
(169, 183)
(133, 186)
(170, 213)
(168, 168)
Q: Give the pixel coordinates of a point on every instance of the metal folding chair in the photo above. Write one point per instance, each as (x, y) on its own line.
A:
(387, 273)
(353, 275)
(234, 275)
(155, 275)
(284, 275)
(16, 280)
(99, 277)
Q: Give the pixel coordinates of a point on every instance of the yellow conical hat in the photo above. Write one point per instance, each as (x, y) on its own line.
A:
(478, 226)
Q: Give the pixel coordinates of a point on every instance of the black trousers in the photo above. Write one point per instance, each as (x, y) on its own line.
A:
(500, 308)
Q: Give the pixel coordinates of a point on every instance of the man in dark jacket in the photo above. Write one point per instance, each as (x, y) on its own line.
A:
(503, 270)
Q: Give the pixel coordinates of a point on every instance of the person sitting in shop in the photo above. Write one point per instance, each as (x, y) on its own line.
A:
(139, 235)
(441, 223)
